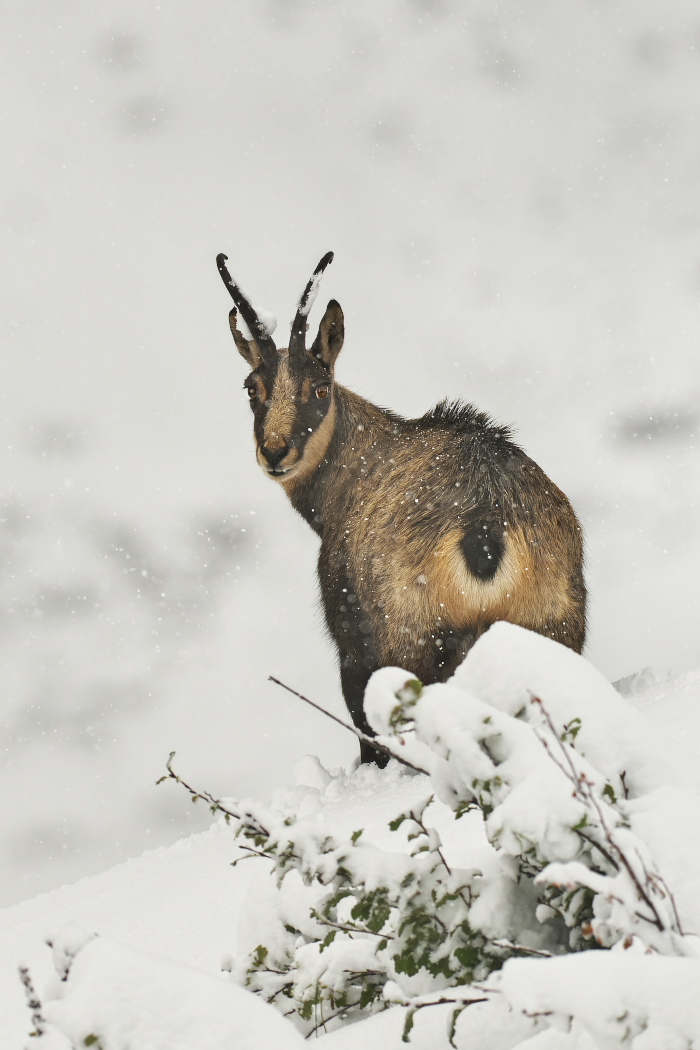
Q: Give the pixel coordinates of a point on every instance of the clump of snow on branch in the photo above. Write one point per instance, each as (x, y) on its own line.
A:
(592, 844)
(618, 999)
(568, 824)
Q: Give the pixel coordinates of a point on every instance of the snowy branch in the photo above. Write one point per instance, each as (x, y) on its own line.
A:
(372, 741)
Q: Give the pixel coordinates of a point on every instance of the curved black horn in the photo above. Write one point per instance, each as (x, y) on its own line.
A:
(264, 341)
(297, 340)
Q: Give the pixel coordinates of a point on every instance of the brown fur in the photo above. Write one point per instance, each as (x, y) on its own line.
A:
(397, 502)
(431, 529)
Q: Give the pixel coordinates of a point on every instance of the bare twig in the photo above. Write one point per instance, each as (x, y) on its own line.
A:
(614, 854)
(352, 929)
(442, 1001)
(282, 989)
(601, 849)
(459, 1004)
(322, 1023)
(250, 853)
(588, 795)
(215, 804)
(365, 973)
(33, 1001)
(372, 741)
(573, 774)
(424, 828)
(521, 950)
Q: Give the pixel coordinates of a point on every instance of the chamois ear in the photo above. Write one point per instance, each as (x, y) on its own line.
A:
(248, 349)
(331, 333)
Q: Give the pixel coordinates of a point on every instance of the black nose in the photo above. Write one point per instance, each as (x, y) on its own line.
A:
(274, 456)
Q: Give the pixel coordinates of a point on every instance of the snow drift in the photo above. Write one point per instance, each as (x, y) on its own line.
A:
(571, 925)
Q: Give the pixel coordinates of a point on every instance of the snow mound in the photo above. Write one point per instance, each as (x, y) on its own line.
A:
(115, 997)
(508, 666)
(545, 899)
(619, 999)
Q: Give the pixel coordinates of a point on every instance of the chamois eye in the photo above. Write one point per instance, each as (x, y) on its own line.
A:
(322, 391)
(252, 392)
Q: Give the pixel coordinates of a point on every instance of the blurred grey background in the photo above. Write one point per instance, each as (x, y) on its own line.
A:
(512, 192)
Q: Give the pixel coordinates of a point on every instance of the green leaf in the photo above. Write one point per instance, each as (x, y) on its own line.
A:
(453, 1025)
(373, 909)
(441, 968)
(355, 836)
(465, 807)
(571, 730)
(369, 994)
(468, 956)
(405, 963)
(328, 939)
(408, 1025)
(412, 686)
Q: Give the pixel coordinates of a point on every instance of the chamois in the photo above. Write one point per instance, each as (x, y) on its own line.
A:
(431, 529)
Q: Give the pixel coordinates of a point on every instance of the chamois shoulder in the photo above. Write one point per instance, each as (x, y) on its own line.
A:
(356, 410)
(466, 420)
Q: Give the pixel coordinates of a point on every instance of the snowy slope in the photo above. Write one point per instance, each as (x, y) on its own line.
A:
(186, 905)
(182, 902)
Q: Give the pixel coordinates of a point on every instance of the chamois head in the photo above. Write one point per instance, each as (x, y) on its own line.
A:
(291, 389)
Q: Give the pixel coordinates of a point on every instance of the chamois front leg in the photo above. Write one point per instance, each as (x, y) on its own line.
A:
(354, 679)
(352, 634)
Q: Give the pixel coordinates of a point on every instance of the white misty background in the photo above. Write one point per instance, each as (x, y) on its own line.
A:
(513, 196)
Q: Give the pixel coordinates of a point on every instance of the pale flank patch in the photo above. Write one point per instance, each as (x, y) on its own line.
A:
(519, 592)
(417, 590)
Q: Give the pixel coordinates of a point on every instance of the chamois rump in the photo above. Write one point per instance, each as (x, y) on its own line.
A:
(431, 529)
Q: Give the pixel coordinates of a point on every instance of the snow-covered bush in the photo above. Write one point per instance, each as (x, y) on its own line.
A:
(577, 915)
(558, 765)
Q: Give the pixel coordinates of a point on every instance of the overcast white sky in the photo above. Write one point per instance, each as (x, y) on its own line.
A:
(513, 197)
